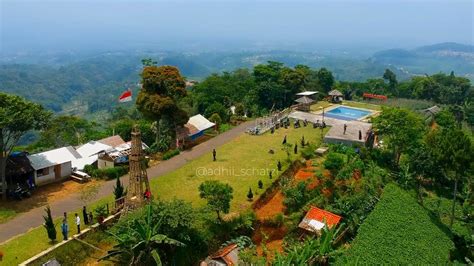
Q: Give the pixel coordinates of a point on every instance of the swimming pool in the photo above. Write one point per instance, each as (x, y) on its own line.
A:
(346, 113)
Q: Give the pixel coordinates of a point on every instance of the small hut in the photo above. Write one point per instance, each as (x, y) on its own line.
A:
(316, 218)
(335, 96)
(304, 103)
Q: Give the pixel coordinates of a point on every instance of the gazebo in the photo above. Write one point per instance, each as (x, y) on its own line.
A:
(336, 96)
(304, 103)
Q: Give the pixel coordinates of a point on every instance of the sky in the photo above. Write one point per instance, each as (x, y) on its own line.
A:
(34, 25)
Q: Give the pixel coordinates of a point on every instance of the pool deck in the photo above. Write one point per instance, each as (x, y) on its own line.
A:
(336, 133)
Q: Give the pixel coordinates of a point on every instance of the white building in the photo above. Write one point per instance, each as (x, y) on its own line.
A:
(53, 165)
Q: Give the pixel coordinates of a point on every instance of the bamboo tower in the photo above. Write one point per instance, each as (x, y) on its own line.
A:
(138, 178)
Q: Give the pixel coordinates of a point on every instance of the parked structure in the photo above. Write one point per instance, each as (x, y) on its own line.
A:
(304, 103)
(19, 169)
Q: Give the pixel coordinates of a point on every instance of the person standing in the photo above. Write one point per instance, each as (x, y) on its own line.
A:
(345, 127)
(214, 153)
(84, 215)
(360, 134)
(78, 223)
(65, 229)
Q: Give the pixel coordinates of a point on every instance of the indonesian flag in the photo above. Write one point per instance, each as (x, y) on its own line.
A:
(126, 96)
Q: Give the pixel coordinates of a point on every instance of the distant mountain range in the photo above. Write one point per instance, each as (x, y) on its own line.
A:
(442, 57)
(89, 83)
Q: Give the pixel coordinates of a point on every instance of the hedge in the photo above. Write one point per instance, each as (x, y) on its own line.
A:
(108, 173)
(399, 232)
(170, 154)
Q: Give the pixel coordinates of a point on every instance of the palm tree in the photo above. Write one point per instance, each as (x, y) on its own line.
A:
(140, 241)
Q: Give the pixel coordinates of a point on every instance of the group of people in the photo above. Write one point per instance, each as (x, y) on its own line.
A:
(88, 218)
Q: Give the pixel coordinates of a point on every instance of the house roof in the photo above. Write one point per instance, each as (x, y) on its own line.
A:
(200, 122)
(305, 100)
(228, 254)
(315, 219)
(112, 141)
(80, 163)
(92, 148)
(53, 157)
(335, 93)
(307, 93)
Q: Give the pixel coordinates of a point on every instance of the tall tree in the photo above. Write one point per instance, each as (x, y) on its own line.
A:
(218, 196)
(392, 80)
(17, 116)
(454, 152)
(157, 100)
(401, 129)
(326, 79)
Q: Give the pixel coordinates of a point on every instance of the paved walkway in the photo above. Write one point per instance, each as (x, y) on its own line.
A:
(34, 218)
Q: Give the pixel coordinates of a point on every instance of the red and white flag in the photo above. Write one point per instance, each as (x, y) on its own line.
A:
(126, 96)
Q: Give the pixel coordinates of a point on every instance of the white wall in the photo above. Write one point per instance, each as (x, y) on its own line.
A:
(103, 164)
(66, 171)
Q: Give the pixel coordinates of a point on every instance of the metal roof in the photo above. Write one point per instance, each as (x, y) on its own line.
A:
(200, 122)
(335, 93)
(92, 148)
(53, 157)
(306, 93)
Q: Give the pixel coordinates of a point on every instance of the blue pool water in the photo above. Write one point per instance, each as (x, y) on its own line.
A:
(346, 113)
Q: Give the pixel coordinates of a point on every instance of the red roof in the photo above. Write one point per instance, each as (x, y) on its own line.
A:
(321, 215)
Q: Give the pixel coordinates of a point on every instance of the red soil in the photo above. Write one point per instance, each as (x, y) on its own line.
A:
(273, 207)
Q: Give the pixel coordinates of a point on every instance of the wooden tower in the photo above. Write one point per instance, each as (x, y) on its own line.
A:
(138, 178)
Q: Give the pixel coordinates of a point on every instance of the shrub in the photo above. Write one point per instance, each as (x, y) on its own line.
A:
(239, 109)
(49, 224)
(334, 162)
(308, 152)
(224, 127)
(260, 184)
(119, 190)
(219, 109)
(250, 195)
(170, 154)
(399, 232)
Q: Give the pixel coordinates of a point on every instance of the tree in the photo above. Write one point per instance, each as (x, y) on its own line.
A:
(17, 116)
(250, 194)
(217, 108)
(216, 119)
(401, 129)
(239, 109)
(157, 100)
(392, 80)
(260, 184)
(325, 79)
(334, 162)
(119, 190)
(453, 151)
(148, 62)
(49, 224)
(218, 196)
(140, 241)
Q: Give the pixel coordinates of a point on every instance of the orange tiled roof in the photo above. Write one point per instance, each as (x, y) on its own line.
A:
(322, 215)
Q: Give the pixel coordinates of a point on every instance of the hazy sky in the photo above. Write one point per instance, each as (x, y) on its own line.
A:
(112, 24)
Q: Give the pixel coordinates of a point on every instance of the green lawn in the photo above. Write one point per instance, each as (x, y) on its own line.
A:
(6, 214)
(250, 153)
(241, 163)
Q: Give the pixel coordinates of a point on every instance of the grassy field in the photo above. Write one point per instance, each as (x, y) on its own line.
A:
(241, 163)
(6, 214)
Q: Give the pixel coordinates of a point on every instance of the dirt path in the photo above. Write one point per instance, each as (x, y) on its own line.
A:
(33, 218)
